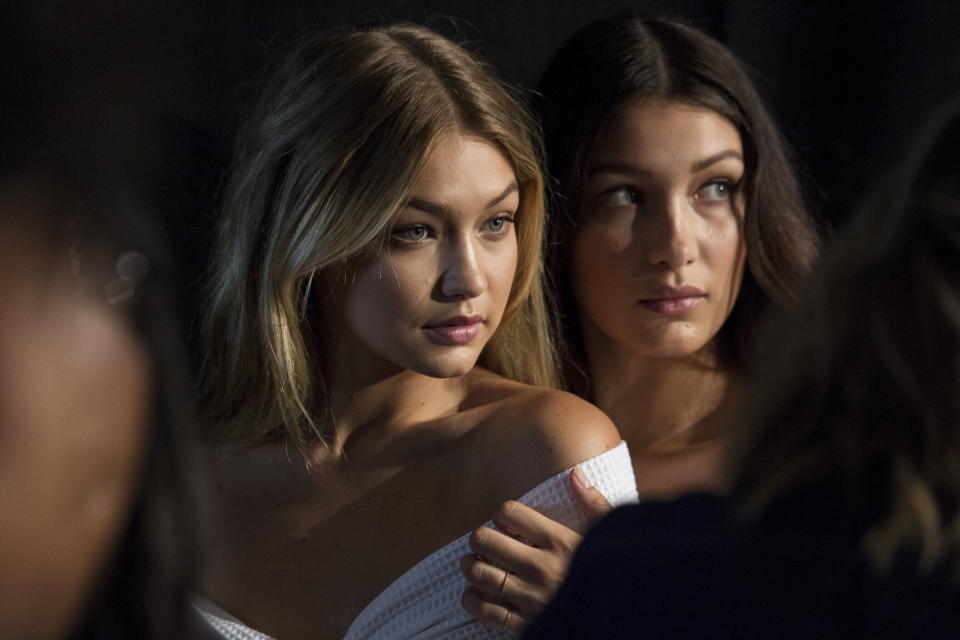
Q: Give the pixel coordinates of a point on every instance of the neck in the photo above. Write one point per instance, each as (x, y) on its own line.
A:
(388, 405)
(662, 405)
(372, 400)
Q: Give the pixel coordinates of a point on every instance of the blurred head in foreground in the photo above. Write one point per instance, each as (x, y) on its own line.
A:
(94, 509)
(863, 397)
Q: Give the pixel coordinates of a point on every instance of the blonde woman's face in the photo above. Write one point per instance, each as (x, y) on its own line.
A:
(658, 255)
(432, 298)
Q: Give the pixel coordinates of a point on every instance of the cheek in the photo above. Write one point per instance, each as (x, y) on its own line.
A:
(387, 287)
(81, 382)
(609, 234)
(727, 258)
(600, 255)
(501, 269)
(733, 248)
(599, 267)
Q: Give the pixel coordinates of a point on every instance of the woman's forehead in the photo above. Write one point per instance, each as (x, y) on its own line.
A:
(648, 133)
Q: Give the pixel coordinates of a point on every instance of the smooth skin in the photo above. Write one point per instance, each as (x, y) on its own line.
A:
(298, 553)
(662, 210)
(74, 398)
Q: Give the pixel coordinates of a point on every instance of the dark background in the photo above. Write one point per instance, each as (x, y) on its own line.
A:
(148, 94)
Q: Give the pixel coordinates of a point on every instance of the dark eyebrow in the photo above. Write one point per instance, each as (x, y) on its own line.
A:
(715, 158)
(439, 209)
(427, 206)
(615, 167)
(624, 168)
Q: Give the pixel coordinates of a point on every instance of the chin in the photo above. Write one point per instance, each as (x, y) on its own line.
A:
(444, 372)
(665, 353)
(673, 347)
(447, 366)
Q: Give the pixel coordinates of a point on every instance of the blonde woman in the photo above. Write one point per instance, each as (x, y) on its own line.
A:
(377, 345)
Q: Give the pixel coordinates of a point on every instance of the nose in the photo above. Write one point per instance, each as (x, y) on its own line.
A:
(462, 275)
(670, 235)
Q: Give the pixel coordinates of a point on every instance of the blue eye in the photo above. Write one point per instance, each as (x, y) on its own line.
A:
(499, 224)
(622, 196)
(412, 233)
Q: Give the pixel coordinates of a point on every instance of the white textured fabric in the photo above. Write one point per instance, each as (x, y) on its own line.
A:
(424, 603)
(225, 624)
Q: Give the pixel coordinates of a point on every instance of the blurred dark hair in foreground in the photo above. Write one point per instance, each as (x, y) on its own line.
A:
(79, 212)
(864, 392)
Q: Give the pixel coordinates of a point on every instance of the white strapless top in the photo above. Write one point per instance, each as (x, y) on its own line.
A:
(424, 602)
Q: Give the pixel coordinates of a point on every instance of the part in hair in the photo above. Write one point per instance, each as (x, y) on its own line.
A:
(626, 59)
(321, 168)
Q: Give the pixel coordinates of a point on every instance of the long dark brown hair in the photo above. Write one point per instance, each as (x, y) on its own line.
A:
(859, 390)
(626, 58)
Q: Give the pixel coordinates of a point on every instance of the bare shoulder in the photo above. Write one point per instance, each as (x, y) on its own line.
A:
(562, 428)
(544, 431)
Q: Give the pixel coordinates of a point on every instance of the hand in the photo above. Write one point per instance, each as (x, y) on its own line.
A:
(513, 575)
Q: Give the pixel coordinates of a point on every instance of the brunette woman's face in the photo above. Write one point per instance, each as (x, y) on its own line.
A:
(431, 299)
(658, 254)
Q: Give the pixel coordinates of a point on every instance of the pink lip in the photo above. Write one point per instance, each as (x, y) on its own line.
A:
(673, 301)
(456, 330)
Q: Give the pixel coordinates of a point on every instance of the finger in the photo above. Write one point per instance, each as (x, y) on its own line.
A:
(500, 549)
(494, 615)
(533, 526)
(486, 578)
(495, 585)
(592, 503)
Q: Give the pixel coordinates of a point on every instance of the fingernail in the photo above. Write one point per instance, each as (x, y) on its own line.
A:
(581, 478)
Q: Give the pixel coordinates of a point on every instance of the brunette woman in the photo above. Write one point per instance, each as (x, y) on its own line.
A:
(845, 510)
(678, 223)
(381, 239)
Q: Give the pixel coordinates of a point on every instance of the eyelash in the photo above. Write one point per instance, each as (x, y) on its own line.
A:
(730, 186)
(606, 195)
(397, 233)
(507, 219)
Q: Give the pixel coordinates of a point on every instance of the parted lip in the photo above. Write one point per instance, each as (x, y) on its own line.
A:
(673, 293)
(454, 321)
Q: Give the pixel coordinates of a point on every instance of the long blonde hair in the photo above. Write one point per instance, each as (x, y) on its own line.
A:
(321, 168)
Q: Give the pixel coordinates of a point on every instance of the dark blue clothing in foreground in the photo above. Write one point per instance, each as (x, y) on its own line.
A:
(682, 570)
